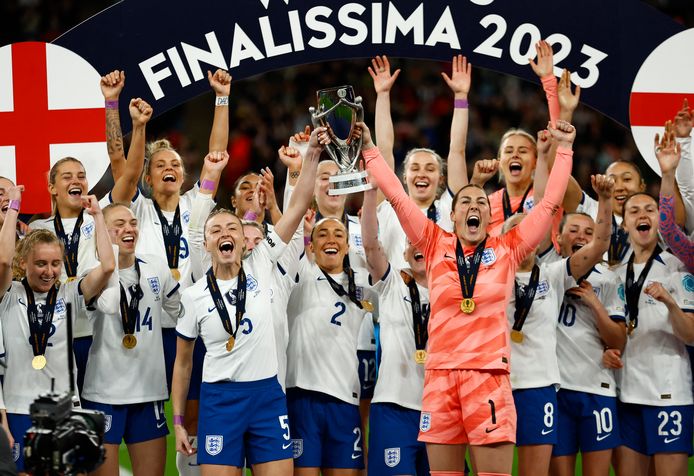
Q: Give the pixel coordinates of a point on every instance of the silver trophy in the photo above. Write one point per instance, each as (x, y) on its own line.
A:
(339, 111)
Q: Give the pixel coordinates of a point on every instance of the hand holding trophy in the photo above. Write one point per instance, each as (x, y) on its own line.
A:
(339, 111)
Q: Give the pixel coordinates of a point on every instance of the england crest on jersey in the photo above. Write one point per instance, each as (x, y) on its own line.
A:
(107, 423)
(425, 421)
(87, 230)
(688, 283)
(186, 217)
(391, 457)
(488, 256)
(60, 306)
(297, 447)
(542, 288)
(214, 444)
(251, 283)
(154, 284)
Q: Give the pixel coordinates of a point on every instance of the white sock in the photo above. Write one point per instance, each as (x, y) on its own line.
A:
(188, 465)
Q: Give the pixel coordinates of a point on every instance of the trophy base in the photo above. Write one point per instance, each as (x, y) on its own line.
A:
(351, 182)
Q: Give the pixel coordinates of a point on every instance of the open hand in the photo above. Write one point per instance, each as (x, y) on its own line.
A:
(545, 60)
(667, 150)
(568, 101)
(684, 120)
(461, 75)
(380, 73)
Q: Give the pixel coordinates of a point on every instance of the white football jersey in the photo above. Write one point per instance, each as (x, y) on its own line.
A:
(151, 240)
(323, 332)
(109, 376)
(86, 257)
(657, 370)
(284, 279)
(534, 361)
(254, 355)
(400, 378)
(22, 383)
(391, 234)
(579, 347)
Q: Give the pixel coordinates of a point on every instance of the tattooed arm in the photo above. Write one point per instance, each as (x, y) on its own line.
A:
(111, 86)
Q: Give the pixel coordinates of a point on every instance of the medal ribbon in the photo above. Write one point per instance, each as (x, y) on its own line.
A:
(351, 292)
(431, 211)
(468, 275)
(128, 311)
(524, 298)
(420, 319)
(172, 235)
(70, 243)
(40, 330)
(221, 306)
(633, 289)
(619, 243)
(506, 202)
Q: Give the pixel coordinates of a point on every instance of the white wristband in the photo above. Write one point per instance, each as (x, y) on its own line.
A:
(221, 101)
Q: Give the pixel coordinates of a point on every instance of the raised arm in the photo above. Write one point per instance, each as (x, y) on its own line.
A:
(291, 158)
(376, 260)
(459, 83)
(303, 193)
(668, 153)
(537, 224)
(544, 69)
(126, 185)
(413, 221)
(383, 125)
(682, 125)
(8, 237)
(220, 82)
(591, 254)
(97, 278)
(267, 187)
(111, 86)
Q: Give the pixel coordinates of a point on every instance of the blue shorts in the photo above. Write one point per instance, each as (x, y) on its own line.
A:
(326, 431)
(367, 373)
(199, 352)
(243, 420)
(80, 347)
(585, 421)
(393, 445)
(19, 424)
(168, 338)
(537, 416)
(650, 430)
(132, 423)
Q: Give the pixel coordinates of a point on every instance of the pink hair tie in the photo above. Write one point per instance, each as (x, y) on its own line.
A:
(14, 205)
(250, 216)
(112, 104)
(460, 103)
(178, 419)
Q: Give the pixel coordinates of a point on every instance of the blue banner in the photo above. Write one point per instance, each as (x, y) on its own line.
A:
(165, 46)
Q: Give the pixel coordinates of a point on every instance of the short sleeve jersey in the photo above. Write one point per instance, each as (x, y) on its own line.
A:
(534, 361)
(254, 355)
(151, 241)
(22, 383)
(579, 346)
(109, 377)
(657, 369)
(323, 332)
(86, 257)
(400, 378)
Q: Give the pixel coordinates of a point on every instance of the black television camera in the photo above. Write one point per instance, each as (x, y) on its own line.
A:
(62, 440)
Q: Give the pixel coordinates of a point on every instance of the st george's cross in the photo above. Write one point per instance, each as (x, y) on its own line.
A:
(50, 107)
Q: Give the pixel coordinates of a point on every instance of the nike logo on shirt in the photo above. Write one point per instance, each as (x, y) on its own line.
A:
(600, 438)
(547, 432)
(284, 447)
(210, 309)
(356, 456)
(487, 430)
(670, 440)
(159, 425)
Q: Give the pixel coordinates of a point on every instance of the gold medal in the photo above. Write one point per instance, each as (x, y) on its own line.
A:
(517, 336)
(631, 327)
(38, 362)
(467, 305)
(129, 341)
(230, 343)
(367, 305)
(420, 356)
(70, 279)
(176, 274)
